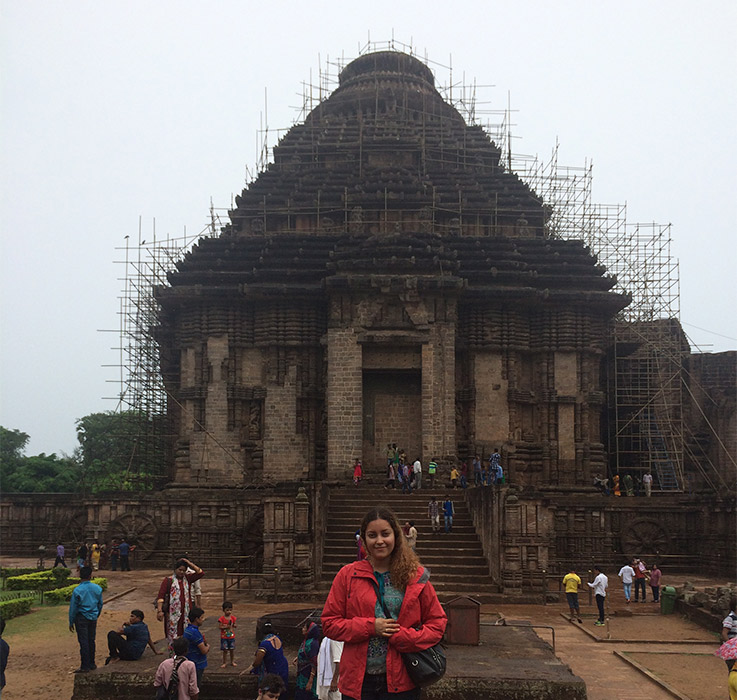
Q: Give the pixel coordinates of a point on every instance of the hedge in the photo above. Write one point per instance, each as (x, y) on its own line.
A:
(64, 595)
(6, 572)
(14, 608)
(45, 580)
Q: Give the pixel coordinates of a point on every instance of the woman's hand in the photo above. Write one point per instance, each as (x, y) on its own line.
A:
(159, 615)
(385, 627)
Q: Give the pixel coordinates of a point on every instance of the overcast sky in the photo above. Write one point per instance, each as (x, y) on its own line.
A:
(115, 111)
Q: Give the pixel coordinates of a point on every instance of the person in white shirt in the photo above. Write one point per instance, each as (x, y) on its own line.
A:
(627, 574)
(647, 482)
(599, 584)
(417, 469)
(328, 669)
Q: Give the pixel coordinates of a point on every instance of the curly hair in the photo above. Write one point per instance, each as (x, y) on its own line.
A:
(404, 562)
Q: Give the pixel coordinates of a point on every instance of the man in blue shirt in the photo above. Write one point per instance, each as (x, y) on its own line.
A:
(124, 549)
(84, 609)
(129, 641)
(198, 647)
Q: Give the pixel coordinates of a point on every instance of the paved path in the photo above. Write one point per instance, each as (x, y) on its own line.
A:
(607, 677)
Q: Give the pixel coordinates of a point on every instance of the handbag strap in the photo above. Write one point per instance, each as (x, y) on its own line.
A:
(380, 598)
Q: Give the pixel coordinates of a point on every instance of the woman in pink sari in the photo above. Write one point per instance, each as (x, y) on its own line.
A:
(175, 598)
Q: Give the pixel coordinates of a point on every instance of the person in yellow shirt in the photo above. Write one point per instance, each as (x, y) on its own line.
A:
(572, 582)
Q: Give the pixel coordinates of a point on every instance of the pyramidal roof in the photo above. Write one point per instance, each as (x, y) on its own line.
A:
(386, 150)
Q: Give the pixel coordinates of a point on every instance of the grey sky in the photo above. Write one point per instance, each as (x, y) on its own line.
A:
(111, 111)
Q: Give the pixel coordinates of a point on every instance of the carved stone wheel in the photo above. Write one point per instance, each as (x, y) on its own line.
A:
(72, 529)
(644, 537)
(138, 529)
(253, 539)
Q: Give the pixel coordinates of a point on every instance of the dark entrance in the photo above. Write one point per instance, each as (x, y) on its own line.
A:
(392, 412)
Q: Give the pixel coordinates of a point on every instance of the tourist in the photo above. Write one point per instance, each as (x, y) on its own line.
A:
(655, 576)
(641, 573)
(103, 556)
(391, 476)
(391, 452)
(406, 477)
(629, 485)
(412, 535)
(647, 482)
(357, 472)
(495, 467)
(464, 474)
(391, 598)
(186, 672)
(306, 661)
(499, 475)
(81, 557)
(95, 556)
(269, 657)
(627, 574)
(478, 478)
(129, 641)
(114, 555)
(174, 601)
(448, 513)
(198, 647)
(453, 477)
(602, 484)
(433, 512)
(4, 653)
(432, 470)
(84, 609)
(59, 555)
(360, 554)
(599, 584)
(124, 549)
(572, 582)
(328, 669)
(417, 472)
(617, 491)
(227, 623)
(271, 687)
(729, 627)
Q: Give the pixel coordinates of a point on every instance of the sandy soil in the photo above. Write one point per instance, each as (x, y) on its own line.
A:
(655, 627)
(698, 676)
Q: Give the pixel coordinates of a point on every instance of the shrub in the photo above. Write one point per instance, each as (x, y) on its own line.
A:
(45, 580)
(6, 572)
(64, 595)
(14, 608)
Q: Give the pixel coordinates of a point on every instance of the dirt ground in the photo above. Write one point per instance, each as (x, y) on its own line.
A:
(698, 676)
(43, 652)
(650, 627)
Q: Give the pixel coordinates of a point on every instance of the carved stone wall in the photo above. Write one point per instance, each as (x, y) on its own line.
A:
(256, 528)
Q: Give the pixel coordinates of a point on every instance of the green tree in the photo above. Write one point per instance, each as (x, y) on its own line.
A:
(117, 451)
(38, 474)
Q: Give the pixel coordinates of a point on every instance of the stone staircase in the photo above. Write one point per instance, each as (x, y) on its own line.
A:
(455, 559)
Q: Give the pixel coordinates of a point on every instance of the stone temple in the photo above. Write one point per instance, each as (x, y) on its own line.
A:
(388, 280)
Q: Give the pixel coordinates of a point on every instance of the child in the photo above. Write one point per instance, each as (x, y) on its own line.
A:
(198, 648)
(271, 687)
(186, 671)
(227, 633)
(357, 472)
(453, 478)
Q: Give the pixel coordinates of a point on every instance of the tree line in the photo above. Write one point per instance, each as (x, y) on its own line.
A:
(117, 451)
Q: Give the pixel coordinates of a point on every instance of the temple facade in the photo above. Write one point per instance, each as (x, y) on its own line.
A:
(386, 280)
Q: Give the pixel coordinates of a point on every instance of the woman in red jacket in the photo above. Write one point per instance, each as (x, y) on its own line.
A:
(371, 666)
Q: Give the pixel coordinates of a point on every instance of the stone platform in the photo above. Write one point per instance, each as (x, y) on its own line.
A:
(511, 663)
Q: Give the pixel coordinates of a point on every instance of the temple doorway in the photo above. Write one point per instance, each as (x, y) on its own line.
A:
(392, 412)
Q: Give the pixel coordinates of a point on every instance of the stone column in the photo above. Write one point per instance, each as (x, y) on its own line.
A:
(438, 393)
(566, 388)
(344, 400)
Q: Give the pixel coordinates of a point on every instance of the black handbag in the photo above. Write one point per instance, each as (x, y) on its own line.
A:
(424, 667)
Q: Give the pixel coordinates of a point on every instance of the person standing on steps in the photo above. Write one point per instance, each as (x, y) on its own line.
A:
(600, 585)
(432, 469)
(448, 513)
(433, 512)
(417, 469)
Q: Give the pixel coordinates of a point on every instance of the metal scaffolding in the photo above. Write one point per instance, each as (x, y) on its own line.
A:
(646, 362)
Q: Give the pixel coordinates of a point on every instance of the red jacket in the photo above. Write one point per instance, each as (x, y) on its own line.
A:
(349, 614)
